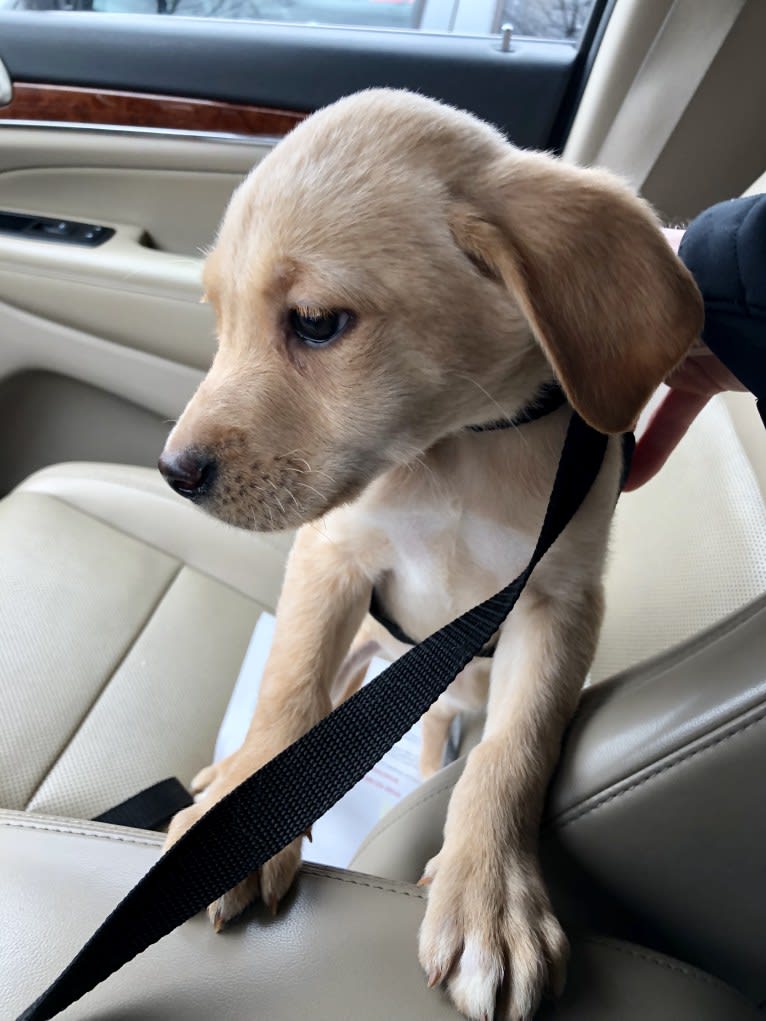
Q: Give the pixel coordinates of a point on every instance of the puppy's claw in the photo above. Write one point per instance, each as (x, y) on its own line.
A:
(425, 881)
(217, 918)
(435, 978)
(273, 906)
(480, 928)
(308, 835)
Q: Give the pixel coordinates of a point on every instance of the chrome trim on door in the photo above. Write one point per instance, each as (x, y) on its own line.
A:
(6, 89)
(176, 134)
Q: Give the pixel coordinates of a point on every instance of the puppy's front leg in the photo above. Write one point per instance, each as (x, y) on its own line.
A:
(324, 599)
(489, 921)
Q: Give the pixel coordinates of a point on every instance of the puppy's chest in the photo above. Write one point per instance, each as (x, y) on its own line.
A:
(442, 556)
(430, 547)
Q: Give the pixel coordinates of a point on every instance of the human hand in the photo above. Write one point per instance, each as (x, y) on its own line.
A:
(698, 378)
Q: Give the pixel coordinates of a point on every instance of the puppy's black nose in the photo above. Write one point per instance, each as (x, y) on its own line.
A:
(189, 472)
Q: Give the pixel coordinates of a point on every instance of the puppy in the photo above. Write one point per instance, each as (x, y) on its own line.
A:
(391, 274)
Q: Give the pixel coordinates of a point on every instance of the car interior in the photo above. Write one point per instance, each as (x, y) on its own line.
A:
(126, 613)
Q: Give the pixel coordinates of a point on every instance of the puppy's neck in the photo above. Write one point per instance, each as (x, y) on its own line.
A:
(503, 391)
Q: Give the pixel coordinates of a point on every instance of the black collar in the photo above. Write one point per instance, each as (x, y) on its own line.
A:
(548, 398)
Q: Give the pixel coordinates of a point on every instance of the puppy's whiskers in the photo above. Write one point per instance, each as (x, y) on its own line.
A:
(308, 469)
(276, 497)
(291, 494)
(503, 416)
(313, 489)
(417, 463)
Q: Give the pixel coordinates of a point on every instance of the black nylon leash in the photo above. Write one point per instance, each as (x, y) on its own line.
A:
(151, 808)
(284, 798)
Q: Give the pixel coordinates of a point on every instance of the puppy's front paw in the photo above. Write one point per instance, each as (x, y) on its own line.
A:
(489, 924)
(272, 881)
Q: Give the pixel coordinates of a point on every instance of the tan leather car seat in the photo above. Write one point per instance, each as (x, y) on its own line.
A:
(342, 948)
(120, 595)
(126, 615)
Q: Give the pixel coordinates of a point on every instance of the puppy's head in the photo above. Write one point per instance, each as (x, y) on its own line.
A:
(394, 271)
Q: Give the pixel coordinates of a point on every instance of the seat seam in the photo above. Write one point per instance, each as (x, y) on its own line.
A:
(312, 869)
(653, 668)
(151, 545)
(107, 681)
(670, 965)
(414, 893)
(76, 832)
(565, 819)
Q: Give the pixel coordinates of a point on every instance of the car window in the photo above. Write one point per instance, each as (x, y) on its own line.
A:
(539, 19)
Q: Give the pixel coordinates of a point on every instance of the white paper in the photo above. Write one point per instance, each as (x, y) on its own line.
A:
(338, 834)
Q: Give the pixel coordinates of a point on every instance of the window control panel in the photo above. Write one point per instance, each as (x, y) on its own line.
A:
(47, 228)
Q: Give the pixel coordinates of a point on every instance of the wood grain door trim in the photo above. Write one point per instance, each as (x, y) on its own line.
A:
(68, 105)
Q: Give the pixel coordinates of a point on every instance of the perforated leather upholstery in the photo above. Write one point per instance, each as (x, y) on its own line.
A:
(689, 548)
(125, 617)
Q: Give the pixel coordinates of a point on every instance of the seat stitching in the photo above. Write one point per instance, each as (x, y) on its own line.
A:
(415, 894)
(108, 680)
(262, 606)
(74, 831)
(560, 822)
(374, 886)
(669, 965)
(653, 667)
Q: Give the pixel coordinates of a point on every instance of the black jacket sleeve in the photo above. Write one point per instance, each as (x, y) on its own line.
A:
(725, 250)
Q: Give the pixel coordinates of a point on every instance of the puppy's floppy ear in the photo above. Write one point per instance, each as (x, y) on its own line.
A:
(612, 307)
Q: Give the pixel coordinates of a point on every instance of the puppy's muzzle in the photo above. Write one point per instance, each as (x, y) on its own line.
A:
(191, 473)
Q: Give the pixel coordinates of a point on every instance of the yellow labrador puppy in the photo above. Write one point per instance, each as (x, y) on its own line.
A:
(393, 273)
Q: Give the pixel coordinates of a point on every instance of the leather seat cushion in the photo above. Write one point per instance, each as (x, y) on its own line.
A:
(710, 497)
(343, 945)
(126, 614)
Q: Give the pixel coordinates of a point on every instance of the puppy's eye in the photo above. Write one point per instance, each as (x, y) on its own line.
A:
(317, 328)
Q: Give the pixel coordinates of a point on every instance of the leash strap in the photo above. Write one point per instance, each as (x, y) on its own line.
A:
(151, 808)
(279, 802)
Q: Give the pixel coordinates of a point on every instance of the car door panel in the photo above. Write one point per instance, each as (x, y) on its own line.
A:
(285, 67)
(147, 125)
(123, 319)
